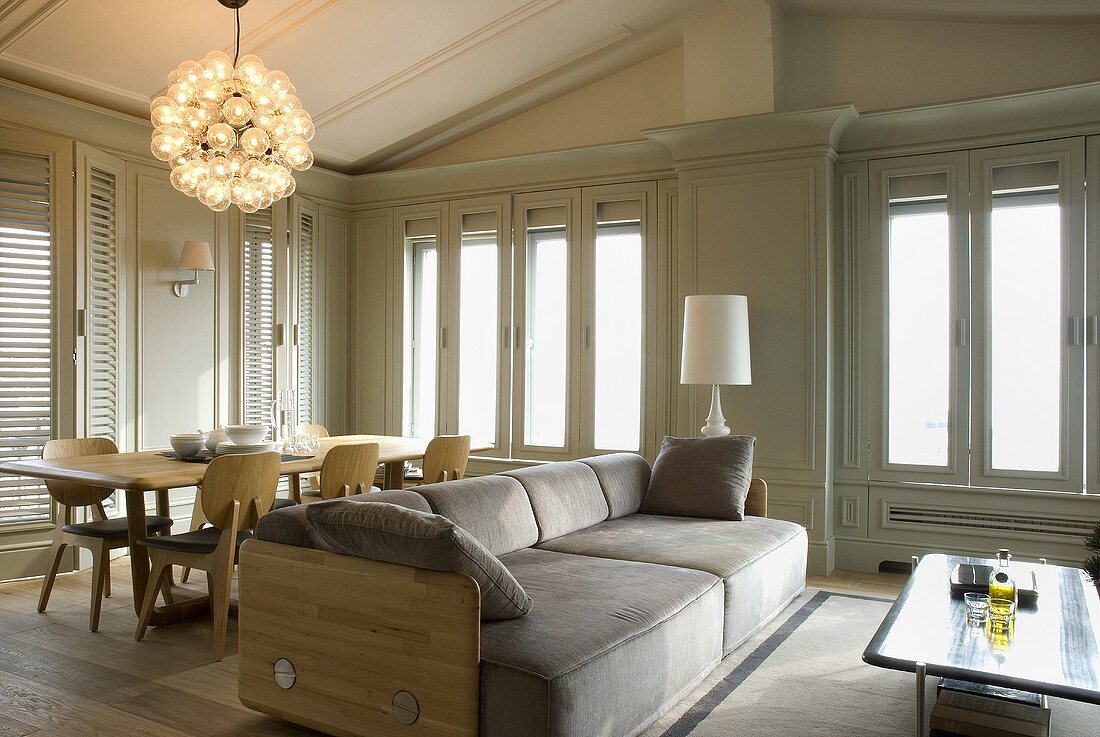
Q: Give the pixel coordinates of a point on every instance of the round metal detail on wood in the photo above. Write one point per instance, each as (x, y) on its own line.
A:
(285, 675)
(405, 707)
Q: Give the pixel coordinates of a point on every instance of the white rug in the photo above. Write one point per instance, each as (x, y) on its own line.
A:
(803, 675)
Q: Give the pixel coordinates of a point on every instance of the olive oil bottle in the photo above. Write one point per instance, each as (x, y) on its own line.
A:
(1002, 585)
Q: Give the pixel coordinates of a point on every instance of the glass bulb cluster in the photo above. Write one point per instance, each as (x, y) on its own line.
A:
(232, 133)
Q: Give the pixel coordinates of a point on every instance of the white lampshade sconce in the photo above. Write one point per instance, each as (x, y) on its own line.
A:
(716, 349)
(197, 257)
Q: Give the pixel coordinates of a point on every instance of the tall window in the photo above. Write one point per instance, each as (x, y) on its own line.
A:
(546, 345)
(421, 348)
(26, 328)
(619, 287)
(258, 318)
(479, 327)
(919, 296)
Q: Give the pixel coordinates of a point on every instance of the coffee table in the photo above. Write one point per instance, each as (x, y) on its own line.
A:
(1055, 650)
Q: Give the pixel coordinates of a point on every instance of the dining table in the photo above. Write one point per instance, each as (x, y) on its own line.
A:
(140, 473)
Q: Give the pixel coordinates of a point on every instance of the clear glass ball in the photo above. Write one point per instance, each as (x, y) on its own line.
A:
(265, 98)
(211, 90)
(296, 154)
(280, 83)
(169, 142)
(163, 111)
(302, 124)
(220, 169)
(217, 65)
(221, 136)
(255, 141)
(182, 93)
(250, 72)
(194, 121)
(289, 104)
(236, 111)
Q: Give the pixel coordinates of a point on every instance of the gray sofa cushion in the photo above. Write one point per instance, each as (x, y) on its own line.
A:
(609, 646)
(762, 561)
(494, 509)
(395, 534)
(701, 477)
(566, 496)
(624, 478)
(290, 527)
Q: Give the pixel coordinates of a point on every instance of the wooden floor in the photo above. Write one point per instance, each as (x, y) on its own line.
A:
(57, 679)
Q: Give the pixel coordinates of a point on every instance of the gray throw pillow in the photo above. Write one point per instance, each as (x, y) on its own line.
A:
(395, 534)
(701, 477)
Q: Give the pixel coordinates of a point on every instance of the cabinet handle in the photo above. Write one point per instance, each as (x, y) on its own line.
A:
(585, 333)
(506, 337)
(1094, 330)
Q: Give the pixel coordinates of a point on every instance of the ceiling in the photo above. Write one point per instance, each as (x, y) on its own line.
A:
(390, 80)
(385, 80)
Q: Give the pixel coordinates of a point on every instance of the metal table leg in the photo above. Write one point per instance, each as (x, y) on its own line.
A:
(921, 668)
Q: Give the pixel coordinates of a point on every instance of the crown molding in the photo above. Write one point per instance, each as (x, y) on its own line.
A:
(1046, 113)
(757, 137)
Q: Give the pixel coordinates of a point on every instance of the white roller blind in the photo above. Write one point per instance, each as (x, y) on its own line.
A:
(258, 311)
(102, 305)
(305, 318)
(26, 329)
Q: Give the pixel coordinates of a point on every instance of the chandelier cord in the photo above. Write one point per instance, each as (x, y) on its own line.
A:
(237, 48)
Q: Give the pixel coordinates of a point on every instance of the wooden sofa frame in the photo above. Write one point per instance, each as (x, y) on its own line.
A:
(359, 632)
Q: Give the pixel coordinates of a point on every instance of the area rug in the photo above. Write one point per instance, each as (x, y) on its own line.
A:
(803, 675)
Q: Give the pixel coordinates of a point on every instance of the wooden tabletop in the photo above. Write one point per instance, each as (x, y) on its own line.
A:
(1055, 648)
(147, 470)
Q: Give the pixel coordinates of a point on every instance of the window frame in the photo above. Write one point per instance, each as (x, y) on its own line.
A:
(500, 207)
(1069, 154)
(876, 317)
(570, 199)
(302, 209)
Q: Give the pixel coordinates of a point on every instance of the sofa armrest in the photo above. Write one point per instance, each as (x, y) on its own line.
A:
(357, 632)
(756, 503)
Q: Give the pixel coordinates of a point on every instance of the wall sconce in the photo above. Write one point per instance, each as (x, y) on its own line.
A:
(197, 257)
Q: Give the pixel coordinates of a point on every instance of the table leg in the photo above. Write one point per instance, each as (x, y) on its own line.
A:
(296, 487)
(921, 673)
(139, 562)
(395, 475)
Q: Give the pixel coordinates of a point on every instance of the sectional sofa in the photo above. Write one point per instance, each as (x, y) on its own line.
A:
(630, 610)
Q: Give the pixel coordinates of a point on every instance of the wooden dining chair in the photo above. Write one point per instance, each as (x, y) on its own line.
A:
(236, 491)
(346, 470)
(445, 458)
(101, 535)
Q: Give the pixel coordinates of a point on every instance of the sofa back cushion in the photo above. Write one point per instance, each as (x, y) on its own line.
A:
(565, 496)
(701, 477)
(624, 478)
(289, 525)
(396, 534)
(494, 509)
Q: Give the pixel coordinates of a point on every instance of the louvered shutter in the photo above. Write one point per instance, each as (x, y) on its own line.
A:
(26, 328)
(258, 334)
(305, 317)
(102, 304)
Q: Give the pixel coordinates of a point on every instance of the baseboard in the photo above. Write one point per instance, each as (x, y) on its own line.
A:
(821, 557)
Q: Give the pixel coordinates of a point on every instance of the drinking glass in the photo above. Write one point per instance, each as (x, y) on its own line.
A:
(1002, 612)
(977, 607)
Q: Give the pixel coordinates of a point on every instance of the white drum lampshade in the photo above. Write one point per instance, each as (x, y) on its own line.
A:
(716, 348)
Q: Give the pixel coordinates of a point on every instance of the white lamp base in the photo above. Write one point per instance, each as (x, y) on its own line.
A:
(716, 423)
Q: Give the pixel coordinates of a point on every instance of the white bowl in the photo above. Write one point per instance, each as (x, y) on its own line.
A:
(246, 434)
(188, 444)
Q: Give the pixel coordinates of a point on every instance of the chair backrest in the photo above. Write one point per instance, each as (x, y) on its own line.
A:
(348, 465)
(68, 493)
(239, 478)
(445, 458)
(318, 430)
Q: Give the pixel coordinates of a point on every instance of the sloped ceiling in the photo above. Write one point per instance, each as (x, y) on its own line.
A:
(390, 80)
(386, 80)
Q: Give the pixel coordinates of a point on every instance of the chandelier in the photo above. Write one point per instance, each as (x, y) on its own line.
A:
(232, 129)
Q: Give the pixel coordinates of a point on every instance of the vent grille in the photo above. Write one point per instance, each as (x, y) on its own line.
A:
(977, 522)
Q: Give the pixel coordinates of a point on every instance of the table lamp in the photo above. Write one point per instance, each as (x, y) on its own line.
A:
(716, 349)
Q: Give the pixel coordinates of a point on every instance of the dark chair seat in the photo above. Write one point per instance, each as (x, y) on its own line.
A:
(282, 503)
(202, 541)
(310, 492)
(112, 528)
